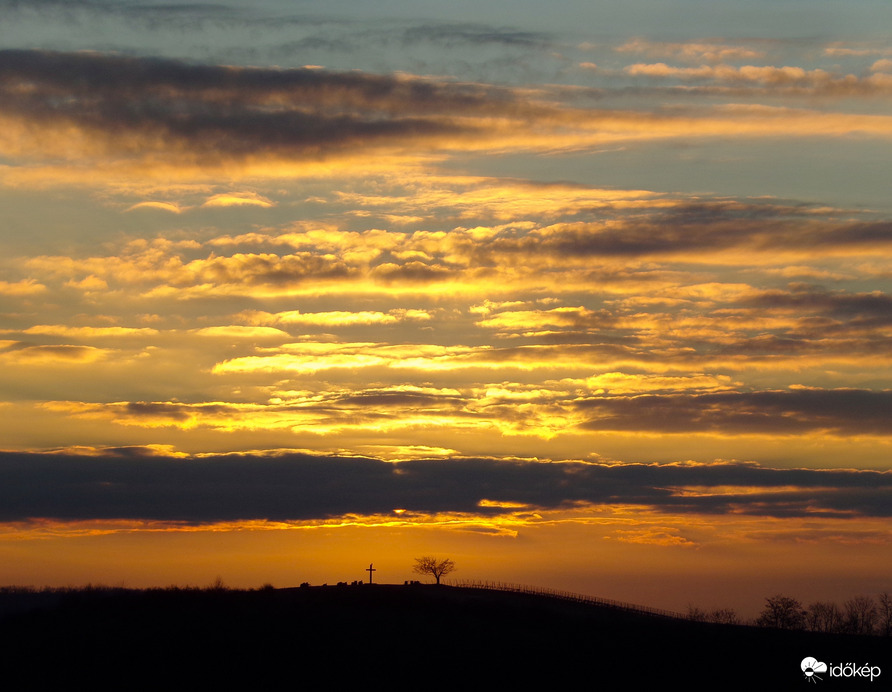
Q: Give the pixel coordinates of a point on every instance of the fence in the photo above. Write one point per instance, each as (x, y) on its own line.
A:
(564, 596)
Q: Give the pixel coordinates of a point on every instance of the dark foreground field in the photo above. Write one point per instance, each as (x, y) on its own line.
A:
(392, 637)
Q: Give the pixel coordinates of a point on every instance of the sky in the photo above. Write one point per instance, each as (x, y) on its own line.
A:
(590, 296)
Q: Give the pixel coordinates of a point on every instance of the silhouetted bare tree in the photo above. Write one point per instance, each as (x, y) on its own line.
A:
(696, 614)
(724, 616)
(885, 614)
(433, 566)
(783, 612)
(860, 615)
(823, 616)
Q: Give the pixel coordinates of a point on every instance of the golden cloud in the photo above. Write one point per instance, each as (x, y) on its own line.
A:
(240, 199)
(25, 287)
(692, 51)
(63, 354)
(163, 206)
(235, 331)
(90, 332)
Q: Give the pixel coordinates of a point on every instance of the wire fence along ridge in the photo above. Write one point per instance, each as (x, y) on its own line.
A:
(564, 596)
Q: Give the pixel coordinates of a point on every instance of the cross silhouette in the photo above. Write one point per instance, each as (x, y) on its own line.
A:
(370, 570)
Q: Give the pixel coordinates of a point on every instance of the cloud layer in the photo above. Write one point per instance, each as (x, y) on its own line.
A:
(569, 301)
(133, 115)
(337, 258)
(303, 487)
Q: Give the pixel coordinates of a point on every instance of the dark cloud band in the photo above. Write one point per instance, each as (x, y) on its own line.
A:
(125, 485)
(840, 411)
(147, 103)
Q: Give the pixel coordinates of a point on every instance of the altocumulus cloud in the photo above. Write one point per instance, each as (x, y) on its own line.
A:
(304, 487)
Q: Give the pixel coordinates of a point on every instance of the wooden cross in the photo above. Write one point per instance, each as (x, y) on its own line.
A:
(370, 570)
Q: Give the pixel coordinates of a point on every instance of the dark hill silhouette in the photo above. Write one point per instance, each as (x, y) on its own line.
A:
(400, 637)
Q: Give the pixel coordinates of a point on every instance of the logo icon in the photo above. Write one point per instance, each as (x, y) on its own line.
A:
(811, 667)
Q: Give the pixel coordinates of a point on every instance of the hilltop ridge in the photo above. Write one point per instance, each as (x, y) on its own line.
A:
(278, 638)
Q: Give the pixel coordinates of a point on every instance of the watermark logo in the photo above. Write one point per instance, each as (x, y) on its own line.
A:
(811, 667)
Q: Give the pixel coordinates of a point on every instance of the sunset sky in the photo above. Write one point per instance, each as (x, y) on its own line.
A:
(586, 295)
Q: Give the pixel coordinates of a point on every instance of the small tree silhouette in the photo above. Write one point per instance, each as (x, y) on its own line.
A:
(824, 616)
(782, 612)
(885, 613)
(860, 615)
(433, 566)
(724, 616)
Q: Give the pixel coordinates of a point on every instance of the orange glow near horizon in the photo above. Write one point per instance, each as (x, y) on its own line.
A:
(618, 544)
